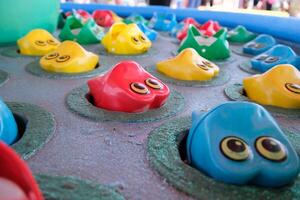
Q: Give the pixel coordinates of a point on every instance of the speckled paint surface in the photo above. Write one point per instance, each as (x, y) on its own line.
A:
(110, 153)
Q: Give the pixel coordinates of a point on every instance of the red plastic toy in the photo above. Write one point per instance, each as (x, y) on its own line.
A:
(103, 18)
(128, 88)
(16, 180)
(82, 13)
(182, 33)
(209, 28)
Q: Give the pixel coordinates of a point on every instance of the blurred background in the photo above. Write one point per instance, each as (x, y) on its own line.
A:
(268, 7)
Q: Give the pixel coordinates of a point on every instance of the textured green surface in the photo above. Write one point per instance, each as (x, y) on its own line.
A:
(151, 52)
(35, 69)
(246, 67)
(77, 102)
(164, 157)
(70, 188)
(3, 77)
(40, 127)
(235, 92)
(238, 49)
(221, 79)
(12, 52)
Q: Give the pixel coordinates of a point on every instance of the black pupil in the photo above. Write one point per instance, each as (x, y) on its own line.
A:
(139, 86)
(63, 57)
(271, 59)
(271, 145)
(295, 86)
(154, 82)
(135, 39)
(142, 38)
(236, 145)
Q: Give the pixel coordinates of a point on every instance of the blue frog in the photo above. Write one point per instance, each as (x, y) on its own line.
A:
(259, 45)
(240, 143)
(162, 21)
(279, 54)
(151, 34)
(178, 27)
(8, 125)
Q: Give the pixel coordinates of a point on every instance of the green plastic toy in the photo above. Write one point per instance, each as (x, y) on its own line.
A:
(135, 18)
(240, 35)
(211, 48)
(81, 31)
(18, 17)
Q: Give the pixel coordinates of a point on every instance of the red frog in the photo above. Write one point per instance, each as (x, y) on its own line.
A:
(128, 88)
(183, 32)
(210, 27)
(16, 180)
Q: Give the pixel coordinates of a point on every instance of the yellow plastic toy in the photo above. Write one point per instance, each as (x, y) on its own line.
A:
(188, 65)
(279, 86)
(37, 42)
(125, 39)
(69, 57)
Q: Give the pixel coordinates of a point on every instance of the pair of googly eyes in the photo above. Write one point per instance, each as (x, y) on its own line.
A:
(205, 65)
(267, 59)
(255, 45)
(58, 58)
(142, 89)
(137, 40)
(44, 43)
(237, 149)
(293, 87)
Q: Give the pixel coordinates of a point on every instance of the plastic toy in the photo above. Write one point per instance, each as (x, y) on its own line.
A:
(103, 18)
(240, 35)
(37, 42)
(162, 22)
(84, 14)
(183, 32)
(128, 88)
(206, 46)
(240, 143)
(106, 18)
(280, 86)
(88, 32)
(8, 125)
(135, 18)
(18, 18)
(278, 54)
(259, 45)
(69, 57)
(16, 180)
(210, 28)
(188, 65)
(176, 29)
(151, 34)
(126, 39)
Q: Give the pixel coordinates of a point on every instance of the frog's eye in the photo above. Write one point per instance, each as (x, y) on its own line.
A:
(234, 148)
(202, 66)
(270, 149)
(51, 56)
(143, 38)
(63, 58)
(208, 64)
(154, 84)
(255, 45)
(135, 40)
(262, 57)
(139, 88)
(271, 59)
(293, 87)
(52, 42)
(40, 43)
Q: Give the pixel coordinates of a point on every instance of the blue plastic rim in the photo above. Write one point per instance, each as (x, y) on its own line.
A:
(286, 28)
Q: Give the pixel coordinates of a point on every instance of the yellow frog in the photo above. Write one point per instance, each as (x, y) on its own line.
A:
(125, 39)
(279, 86)
(188, 65)
(69, 57)
(37, 42)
